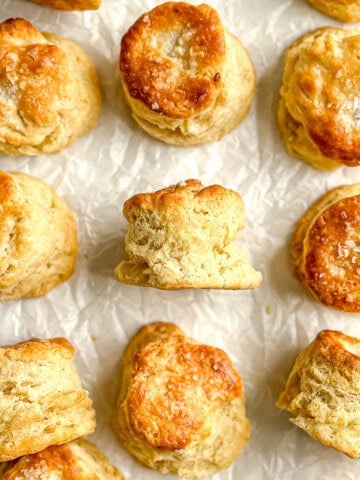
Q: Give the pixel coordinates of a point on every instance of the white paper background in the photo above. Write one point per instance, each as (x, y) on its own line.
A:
(261, 330)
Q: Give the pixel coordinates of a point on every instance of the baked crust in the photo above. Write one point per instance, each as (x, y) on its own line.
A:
(38, 238)
(69, 4)
(182, 237)
(50, 92)
(42, 399)
(319, 111)
(344, 10)
(181, 404)
(325, 250)
(187, 80)
(323, 389)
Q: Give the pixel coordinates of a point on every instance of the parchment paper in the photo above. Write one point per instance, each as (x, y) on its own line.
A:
(262, 330)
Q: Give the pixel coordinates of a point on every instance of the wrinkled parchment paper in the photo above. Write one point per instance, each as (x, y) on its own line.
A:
(262, 330)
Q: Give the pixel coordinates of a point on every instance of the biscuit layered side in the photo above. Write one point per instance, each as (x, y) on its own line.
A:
(323, 390)
(319, 109)
(42, 402)
(186, 79)
(325, 249)
(38, 238)
(76, 460)
(344, 10)
(181, 406)
(69, 4)
(49, 90)
(183, 237)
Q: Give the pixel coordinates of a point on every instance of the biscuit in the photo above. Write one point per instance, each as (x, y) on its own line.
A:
(42, 402)
(181, 406)
(319, 108)
(38, 238)
(323, 391)
(69, 4)
(325, 249)
(77, 460)
(182, 237)
(187, 80)
(344, 10)
(49, 92)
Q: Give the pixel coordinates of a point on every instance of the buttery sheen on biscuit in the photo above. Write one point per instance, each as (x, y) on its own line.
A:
(183, 237)
(323, 391)
(325, 249)
(344, 10)
(42, 401)
(77, 460)
(181, 407)
(319, 108)
(69, 4)
(38, 237)
(49, 92)
(187, 80)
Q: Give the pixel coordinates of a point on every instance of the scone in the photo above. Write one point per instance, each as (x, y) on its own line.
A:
(323, 391)
(77, 460)
(69, 4)
(182, 237)
(181, 407)
(319, 108)
(49, 90)
(344, 10)
(42, 401)
(325, 249)
(38, 237)
(187, 80)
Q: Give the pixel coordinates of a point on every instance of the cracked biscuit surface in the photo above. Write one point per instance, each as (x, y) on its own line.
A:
(323, 391)
(49, 92)
(344, 10)
(42, 402)
(319, 107)
(69, 4)
(187, 80)
(325, 249)
(38, 237)
(181, 406)
(183, 237)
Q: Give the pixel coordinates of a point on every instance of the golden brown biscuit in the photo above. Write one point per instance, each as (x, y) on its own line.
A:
(49, 90)
(42, 401)
(182, 237)
(77, 460)
(181, 407)
(344, 10)
(323, 391)
(325, 250)
(319, 109)
(69, 4)
(38, 238)
(187, 80)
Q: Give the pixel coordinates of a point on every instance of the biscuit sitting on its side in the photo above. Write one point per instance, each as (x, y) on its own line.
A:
(182, 237)
(323, 391)
(325, 249)
(38, 238)
(42, 401)
(187, 80)
(319, 108)
(181, 406)
(49, 92)
(77, 460)
(344, 10)
(69, 4)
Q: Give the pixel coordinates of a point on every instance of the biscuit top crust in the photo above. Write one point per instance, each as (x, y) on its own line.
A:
(333, 256)
(37, 350)
(172, 58)
(343, 351)
(321, 90)
(175, 384)
(33, 73)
